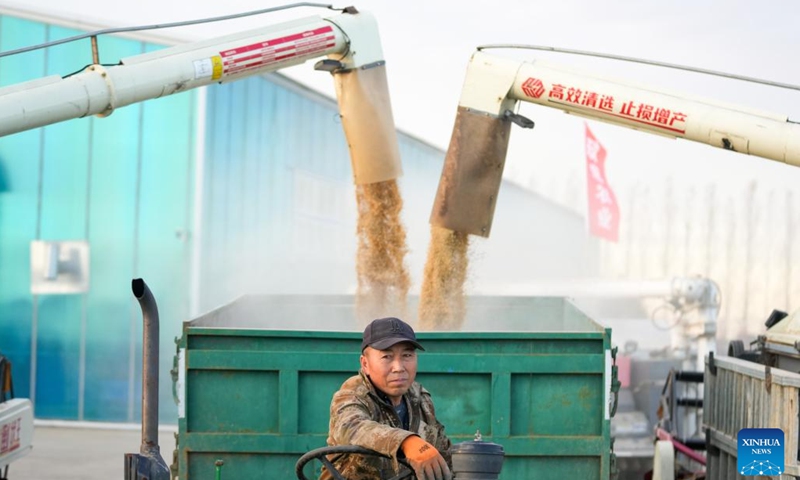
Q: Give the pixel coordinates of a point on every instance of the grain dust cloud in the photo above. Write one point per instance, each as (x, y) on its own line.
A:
(383, 278)
(442, 305)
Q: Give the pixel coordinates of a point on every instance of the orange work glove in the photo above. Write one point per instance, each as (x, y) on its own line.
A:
(426, 461)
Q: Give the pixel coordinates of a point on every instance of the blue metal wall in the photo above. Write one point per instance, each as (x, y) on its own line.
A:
(278, 197)
(123, 184)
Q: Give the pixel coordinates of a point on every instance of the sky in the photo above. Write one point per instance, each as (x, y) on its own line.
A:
(427, 46)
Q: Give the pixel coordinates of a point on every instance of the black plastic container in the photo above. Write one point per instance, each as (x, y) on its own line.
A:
(477, 460)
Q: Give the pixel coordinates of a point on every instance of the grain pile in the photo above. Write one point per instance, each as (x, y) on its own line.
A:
(442, 304)
(383, 278)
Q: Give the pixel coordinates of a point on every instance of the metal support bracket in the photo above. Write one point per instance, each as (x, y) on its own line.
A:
(711, 367)
(518, 119)
(112, 94)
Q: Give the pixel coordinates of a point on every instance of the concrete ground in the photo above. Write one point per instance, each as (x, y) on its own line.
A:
(68, 453)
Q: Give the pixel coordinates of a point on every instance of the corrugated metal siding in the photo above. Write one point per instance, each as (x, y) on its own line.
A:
(277, 187)
(741, 394)
(123, 184)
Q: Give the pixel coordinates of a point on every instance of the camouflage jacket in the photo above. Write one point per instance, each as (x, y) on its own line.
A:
(361, 415)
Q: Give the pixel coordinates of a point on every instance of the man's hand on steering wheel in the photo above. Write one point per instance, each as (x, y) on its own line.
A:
(321, 454)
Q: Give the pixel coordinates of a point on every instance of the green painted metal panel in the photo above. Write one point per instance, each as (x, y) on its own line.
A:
(512, 344)
(539, 394)
(241, 466)
(244, 454)
(316, 407)
(572, 467)
(465, 413)
(298, 444)
(556, 404)
(251, 406)
(452, 363)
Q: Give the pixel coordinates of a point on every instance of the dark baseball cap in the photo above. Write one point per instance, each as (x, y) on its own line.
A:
(382, 333)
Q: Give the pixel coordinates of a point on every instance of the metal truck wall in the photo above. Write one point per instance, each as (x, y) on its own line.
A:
(741, 394)
(257, 395)
(121, 184)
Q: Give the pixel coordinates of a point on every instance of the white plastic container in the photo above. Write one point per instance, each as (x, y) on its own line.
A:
(16, 430)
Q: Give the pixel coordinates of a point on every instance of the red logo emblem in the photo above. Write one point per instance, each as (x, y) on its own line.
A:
(533, 87)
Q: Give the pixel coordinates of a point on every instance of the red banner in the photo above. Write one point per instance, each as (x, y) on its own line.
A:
(603, 211)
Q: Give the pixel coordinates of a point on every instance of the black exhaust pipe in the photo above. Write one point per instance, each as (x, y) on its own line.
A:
(148, 464)
(149, 366)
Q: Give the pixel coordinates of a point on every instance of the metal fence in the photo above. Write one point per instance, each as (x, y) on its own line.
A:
(741, 394)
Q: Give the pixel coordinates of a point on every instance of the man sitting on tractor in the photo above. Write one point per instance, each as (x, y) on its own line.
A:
(384, 409)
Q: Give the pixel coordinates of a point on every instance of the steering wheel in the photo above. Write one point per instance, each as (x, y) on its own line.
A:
(321, 454)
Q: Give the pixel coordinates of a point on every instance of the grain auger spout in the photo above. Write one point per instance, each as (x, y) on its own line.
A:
(473, 169)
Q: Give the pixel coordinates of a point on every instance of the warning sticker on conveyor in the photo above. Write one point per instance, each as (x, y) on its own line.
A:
(261, 54)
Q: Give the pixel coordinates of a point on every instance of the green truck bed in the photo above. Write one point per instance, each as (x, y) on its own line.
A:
(254, 380)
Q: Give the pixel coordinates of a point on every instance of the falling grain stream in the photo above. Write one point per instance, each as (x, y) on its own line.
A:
(442, 304)
(383, 278)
